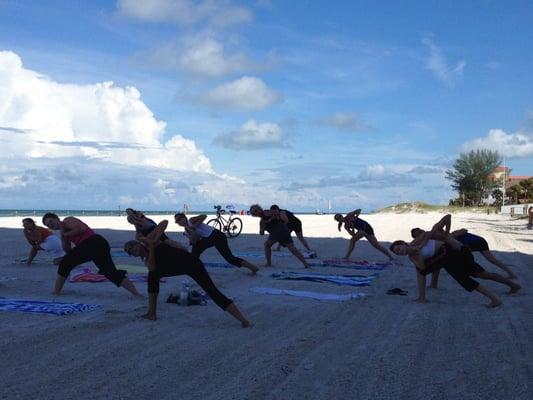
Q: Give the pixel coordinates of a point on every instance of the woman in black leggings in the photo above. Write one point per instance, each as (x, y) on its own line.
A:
(89, 246)
(163, 260)
(203, 236)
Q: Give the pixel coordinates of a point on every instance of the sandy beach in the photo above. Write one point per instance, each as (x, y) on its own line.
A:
(375, 347)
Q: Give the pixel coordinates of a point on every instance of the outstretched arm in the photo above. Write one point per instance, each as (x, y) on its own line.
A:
(195, 221)
(445, 224)
(33, 253)
(155, 235)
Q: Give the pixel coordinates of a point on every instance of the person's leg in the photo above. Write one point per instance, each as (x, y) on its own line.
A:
(493, 260)
(103, 260)
(221, 244)
(268, 252)
(301, 238)
(493, 276)
(494, 300)
(374, 242)
(201, 245)
(297, 254)
(358, 235)
(78, 255)
(202, 278)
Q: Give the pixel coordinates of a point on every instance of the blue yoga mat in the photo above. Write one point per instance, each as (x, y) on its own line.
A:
(45, 307)
(307, 294)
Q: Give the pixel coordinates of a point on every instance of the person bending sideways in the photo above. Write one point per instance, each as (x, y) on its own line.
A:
(358, 229)
(89, 246)
(429, 255)
(295, 225)
(164, 260)
(203, 236)
(42, 239)
(144, 225)
(474, 242)
(270, 221)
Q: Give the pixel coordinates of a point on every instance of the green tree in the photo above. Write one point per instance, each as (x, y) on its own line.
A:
(514, 194)
(497, 195)
(470, 174)
(526, 187)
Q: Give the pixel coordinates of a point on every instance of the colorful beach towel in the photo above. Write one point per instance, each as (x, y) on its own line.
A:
(45, 307)
(350, 280)
(261, 255)
(309, 295)
(87, 275)
(355, 264)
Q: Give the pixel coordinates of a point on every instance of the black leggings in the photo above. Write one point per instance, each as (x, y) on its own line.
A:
(219, 240)
(196, 270)
(459, 264)
(96, 249)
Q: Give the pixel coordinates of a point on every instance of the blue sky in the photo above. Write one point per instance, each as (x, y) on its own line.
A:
(155, 103)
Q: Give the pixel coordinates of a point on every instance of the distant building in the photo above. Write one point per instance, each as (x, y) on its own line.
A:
(500, 172)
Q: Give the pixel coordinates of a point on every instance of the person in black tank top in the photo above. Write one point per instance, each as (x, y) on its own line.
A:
(295, 225)
(164, 260)
(358, 229)
(279, 232)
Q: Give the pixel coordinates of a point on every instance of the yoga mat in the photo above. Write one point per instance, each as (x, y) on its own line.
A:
(133, 269)
(309, 295)
(36, 260)
(119, 253)
(88, 276)
(218, 265)
(355, 264)
(45, 307)
(349, 280)
(261, 255)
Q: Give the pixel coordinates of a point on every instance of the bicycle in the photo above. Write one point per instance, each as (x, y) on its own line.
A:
(232, 225)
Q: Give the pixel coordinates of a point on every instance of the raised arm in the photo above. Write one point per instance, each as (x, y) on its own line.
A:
(195, 221)
(445, 224)
(155, 235)
(72, 227)
(419, 263)
(353, 214)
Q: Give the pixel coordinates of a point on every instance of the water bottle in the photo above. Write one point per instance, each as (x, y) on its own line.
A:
(184, 294)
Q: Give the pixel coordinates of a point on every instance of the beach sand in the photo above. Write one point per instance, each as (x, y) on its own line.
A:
(377, 347)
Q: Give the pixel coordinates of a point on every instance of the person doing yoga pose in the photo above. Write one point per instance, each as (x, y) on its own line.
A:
(42, 239)
(358, 228)
(203, 236)
(295, 225)
(164, 260)
(144, 225)
(278, 232)
(437, 249)
(474, 242)
(89, 246)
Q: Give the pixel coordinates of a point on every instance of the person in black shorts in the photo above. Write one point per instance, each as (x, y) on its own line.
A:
(278, 230)
(295, 225)
(358, 228)
(203, 236)
(476, 244)
(164, 260)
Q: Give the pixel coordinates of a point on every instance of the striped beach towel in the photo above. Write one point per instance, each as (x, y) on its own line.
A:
(350, 280)
(355, 264)
(307, 294)
(45, 307)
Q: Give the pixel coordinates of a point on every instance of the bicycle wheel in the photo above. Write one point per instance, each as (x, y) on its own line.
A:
(234, 227)
(215, 223)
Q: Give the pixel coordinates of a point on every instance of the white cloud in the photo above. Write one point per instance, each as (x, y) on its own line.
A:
(346, 122)
(440, 66)
(217, 13)
(49, 119)
(513, 145)
(246, 93)
(253, 136)
(200, 55)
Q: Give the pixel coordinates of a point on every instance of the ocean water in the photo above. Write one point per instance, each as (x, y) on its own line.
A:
(116, 213)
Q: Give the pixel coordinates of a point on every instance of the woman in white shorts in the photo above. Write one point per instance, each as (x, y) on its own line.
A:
(41, 238)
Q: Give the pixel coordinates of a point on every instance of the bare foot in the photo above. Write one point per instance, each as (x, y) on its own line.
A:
(149, 316)
(253, 270)
(246, 324)
(268, 265)
(56, 293)
(432, 287)
(494, 304)
(511, 276)
(515, 288)
(418, 300)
